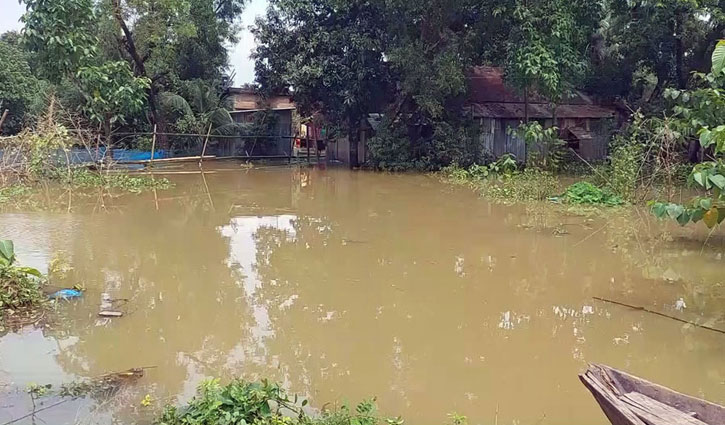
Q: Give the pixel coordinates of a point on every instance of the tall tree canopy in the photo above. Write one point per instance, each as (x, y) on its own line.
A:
(161, 42)
(329, 52)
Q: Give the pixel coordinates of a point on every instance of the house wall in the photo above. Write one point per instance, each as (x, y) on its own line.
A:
(496, 140)
(339, 150)
(281, 143)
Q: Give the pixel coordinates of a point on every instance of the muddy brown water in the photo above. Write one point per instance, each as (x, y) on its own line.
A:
(345, 286)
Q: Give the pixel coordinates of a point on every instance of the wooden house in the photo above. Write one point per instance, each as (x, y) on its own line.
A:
(583, 123)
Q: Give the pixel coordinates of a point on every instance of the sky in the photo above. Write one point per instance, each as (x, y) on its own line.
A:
(11, 10)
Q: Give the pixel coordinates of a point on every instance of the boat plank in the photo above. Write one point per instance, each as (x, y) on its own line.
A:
(653, 412)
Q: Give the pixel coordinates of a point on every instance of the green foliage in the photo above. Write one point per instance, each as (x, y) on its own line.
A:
(545, 149)
(200, 108)
(82, 178)
(18, 86)
(111, 92)
(263, 403)
(238, 402)
(330, 52)
(504, 167)
(398, 146)
(626, 162)
(19, 286)
(585, 193)
(13, 193)
(502, 182)
(530, 185)
(700, 113)
(547, 44)
(61, 34)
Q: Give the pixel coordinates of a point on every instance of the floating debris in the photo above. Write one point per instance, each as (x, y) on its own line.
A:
(680, 305)
(107, 310)
(65, 294)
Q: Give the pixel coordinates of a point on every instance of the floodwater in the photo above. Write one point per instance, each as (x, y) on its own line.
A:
(349, 285)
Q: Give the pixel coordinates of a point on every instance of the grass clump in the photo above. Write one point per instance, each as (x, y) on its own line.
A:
(585, 193)
(530, 185)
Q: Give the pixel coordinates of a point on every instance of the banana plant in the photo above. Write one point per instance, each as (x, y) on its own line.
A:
(8, 258)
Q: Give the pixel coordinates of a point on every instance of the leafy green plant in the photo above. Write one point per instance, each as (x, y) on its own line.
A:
(585, 193)
(701, 112)
(264, 403)
(238, 402)
(545, 149)
(19, 286)
(625, 164)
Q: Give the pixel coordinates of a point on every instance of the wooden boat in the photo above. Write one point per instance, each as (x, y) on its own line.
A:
(628, 400)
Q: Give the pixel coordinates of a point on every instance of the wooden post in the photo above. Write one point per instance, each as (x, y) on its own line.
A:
(307, 143)
(153, 150)
(203, 150)
(2, 119)
(317, 147)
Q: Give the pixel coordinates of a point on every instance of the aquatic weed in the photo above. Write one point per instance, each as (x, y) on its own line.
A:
(585, 193)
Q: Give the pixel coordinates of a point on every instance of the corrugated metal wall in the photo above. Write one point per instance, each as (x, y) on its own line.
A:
(496, 139)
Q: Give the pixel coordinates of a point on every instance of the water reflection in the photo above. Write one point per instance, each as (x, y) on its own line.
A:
(350, 285)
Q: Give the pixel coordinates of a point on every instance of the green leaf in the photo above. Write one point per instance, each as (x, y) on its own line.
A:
(698, 215)
(718, 180)
(699, 178)
(659, 210)
(674, 211)
(30, 271)
(718, 57)
(7, 250)
(684, 218)
(705, 203)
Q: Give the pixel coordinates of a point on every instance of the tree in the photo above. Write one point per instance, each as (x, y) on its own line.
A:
(546, 46)
(60, 34)
(18, 85)
(329, 53)
(111, 93)
(666, 39)
(174, 40)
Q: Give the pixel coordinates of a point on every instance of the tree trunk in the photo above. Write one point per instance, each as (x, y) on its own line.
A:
(353, 139)
(526, 104)
(140, 70)
(679, 52)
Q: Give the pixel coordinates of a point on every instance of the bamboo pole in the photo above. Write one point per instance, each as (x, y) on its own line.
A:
(203, 150)
(153, 150)
(657, 313)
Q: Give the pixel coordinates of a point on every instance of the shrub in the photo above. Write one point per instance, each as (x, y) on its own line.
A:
(626, 161)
